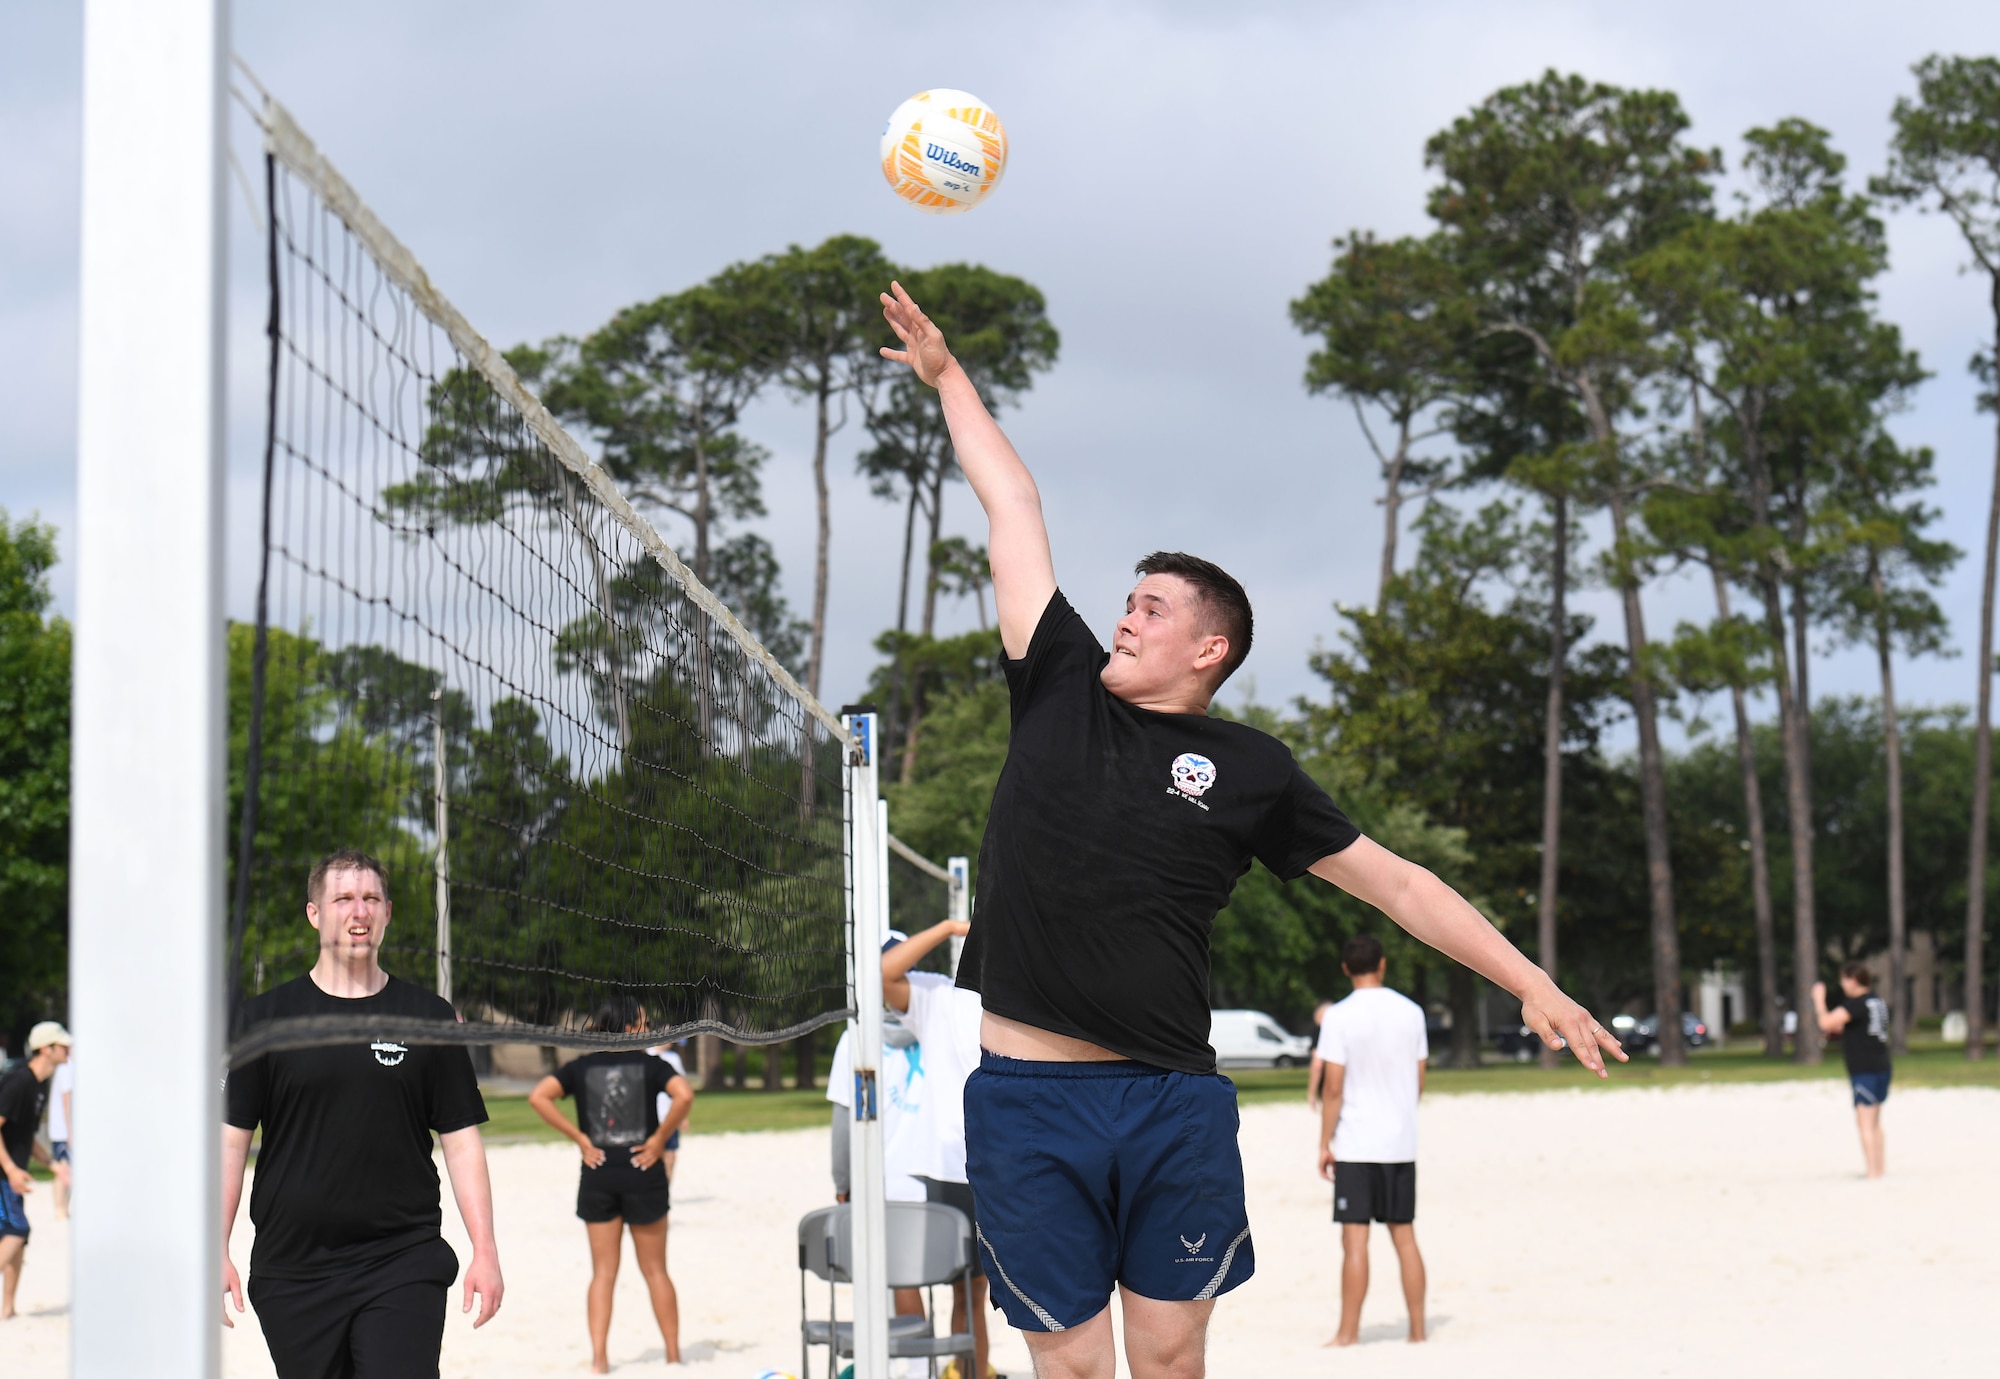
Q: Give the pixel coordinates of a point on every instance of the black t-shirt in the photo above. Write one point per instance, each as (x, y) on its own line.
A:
(1116, 835)
(617, 1099)
(1864, 1040)
(23, 1098)
(344, 1175)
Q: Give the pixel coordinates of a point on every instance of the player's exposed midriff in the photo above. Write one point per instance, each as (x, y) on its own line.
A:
(1012, 1039)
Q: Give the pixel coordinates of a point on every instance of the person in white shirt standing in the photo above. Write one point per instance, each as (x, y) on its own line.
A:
(1373, 1053)
(60, 1088)
(946, 1020)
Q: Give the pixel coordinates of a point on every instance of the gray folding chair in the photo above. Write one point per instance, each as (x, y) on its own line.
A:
(817, 1257)
(927, 1243)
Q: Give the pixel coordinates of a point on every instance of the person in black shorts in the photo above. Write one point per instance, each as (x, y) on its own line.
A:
(1100, 1142)
(350, 1270)
(1861, 1019)
(24, 1093)
(623, 1184)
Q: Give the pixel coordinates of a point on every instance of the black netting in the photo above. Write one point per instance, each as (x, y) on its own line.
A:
(917, 900)
(457, 641)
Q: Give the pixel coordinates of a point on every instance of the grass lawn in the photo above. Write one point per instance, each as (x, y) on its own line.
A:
(1926, 1065)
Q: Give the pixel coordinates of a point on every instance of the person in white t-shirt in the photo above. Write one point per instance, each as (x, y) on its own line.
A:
(671, 1055)
(60, 1088)
(945, 1019)
(1373, 1052)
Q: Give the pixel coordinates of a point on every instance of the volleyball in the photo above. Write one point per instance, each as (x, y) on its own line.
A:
(943, 151)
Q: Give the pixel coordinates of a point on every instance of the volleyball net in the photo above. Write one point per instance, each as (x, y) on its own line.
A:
(474, 660)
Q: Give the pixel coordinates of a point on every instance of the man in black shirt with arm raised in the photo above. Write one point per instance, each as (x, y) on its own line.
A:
(350, 1269)
(1101, 1145)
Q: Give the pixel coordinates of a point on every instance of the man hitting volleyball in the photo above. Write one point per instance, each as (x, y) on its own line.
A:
(1101, 1144)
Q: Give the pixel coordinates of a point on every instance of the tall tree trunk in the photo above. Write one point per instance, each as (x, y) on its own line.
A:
(1982, 766)
(1666, 942)
(1807, 1047)
(704, 520)
(1392, 509)
(816, 659)
(774, 1067)
(1892, 750)
(894, 720)
(1802, 668)
(805, 1066)
(1769, 1018)
(708, 1055)
(936, 514)
(1552, 780)
(1466, 1035)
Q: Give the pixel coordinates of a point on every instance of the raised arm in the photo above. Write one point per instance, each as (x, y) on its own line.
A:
(1438, 915)
(897, 962)
(1830, 1021)
(1024, 573)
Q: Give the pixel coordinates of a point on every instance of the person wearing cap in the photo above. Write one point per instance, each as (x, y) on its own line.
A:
(24, 1092)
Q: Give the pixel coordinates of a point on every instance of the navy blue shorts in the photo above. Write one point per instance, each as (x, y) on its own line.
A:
(13, 1211)
(1870, 1089)
(1091, 1175)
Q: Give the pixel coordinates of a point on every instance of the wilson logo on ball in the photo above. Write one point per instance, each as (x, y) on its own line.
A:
(943, 151)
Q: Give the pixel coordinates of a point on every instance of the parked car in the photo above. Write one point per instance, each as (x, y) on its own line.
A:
(1643, 1035)
(1517, 1042)
(1252, 1039)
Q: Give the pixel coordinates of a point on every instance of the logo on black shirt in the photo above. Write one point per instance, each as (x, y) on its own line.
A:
(1193, 774)
(388, 1054)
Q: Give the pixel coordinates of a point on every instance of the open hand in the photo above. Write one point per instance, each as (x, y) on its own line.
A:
(1562, 1023)
(18, 1179)
(1326, 1162)
(593, 1157)
(645, 1154)
(232, 1291)
(482, 1276)
(924, 349)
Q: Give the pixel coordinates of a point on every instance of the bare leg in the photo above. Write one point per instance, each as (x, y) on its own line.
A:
(1165, 1340)
(1869, 1120)
(649, 1247)
(1404, 1238)
(12, 1248)
(667, 1162)
(605, 1237)
(1084, 1351)
(1353, 1281)
(61, 1200)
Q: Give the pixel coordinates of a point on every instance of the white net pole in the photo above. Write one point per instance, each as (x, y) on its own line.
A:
(868, 859)
(961, 902)
(146, 885)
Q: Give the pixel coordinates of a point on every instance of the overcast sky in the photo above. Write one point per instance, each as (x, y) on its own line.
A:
(1177, 173)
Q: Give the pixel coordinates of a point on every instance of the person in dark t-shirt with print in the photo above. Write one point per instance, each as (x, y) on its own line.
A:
(623, 1184)
(24, 1094)
(350, 1270)
(1861, 1019)
(1100, 1143)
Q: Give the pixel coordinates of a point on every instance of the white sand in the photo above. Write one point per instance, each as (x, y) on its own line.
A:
(1706, 1232)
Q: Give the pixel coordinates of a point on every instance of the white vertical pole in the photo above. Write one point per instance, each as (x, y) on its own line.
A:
(961, 902)
(869, 878)
(146, 893)
(443, 868)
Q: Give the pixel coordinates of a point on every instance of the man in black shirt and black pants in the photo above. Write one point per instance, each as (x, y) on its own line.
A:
(1100, 1143)
(350, 1269)
(1861, 1019)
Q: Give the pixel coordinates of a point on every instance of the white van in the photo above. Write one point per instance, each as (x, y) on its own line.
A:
(1252, 1039)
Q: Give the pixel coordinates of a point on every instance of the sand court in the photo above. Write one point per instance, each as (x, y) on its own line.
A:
(1709, 1231)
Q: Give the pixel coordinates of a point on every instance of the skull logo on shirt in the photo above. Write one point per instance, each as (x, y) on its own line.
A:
(1193, 774)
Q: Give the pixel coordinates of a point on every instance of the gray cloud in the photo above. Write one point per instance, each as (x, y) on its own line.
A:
(1178, 171)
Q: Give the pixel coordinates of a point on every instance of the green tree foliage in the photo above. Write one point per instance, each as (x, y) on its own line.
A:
(1390, 317)
(34, 778)
(1944, 156)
